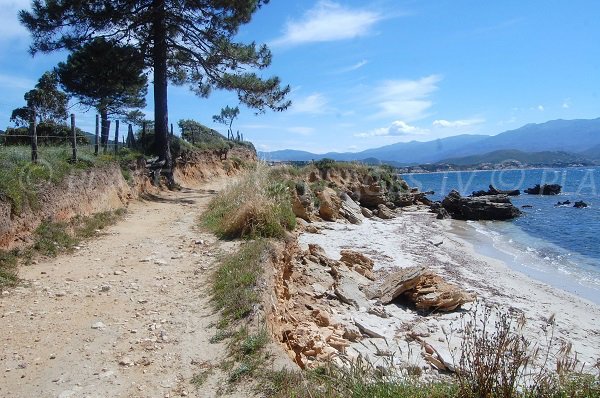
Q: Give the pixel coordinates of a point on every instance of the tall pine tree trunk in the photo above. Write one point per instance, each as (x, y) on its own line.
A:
(161, 118)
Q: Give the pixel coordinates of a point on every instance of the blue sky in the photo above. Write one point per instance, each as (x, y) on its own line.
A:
(371, 73)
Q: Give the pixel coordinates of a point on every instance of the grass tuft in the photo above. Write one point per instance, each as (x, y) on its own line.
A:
(234, 283)
(256, 206)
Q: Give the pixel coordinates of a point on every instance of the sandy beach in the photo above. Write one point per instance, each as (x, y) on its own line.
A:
(414, 238)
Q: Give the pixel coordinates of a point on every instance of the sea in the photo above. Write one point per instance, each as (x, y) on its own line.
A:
(555, 244)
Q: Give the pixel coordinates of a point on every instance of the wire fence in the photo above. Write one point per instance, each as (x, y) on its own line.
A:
(47, 139)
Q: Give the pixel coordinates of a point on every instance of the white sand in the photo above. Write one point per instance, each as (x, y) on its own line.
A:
(410, 239)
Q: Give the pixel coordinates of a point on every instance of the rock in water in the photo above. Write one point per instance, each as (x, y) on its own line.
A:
(580, 205)
(425, 289)
(494, 191)
(491, 207)
(546, 189)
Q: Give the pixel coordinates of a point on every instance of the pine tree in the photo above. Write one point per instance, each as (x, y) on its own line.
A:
(106, 76)
(186, 42)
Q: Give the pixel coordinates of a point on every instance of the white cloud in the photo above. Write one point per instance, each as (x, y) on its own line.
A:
(398, 128)
(328, 21)
(540, 108)
(457, 123)
(313, 104)
(566, 103)
(354, 67)
(11, 28)
(405, 99)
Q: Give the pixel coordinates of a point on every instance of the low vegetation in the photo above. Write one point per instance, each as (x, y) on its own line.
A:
(256, 206)
(20, 179)
(53, 238)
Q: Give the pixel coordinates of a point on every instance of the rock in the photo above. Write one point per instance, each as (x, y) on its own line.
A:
(384, 212)
(425, 289)
(371, 196)
(546, 189)
(358, 262)
(98, 325)
(494, 191)
(442, 214)
(527, 207)
(347, 291)
(565, 203)
(352, 333)
(368, 329)
(199, 242)
(126, 361)
(350, 210)
(580, 205)
(61, 294)
(493, 207)
(329, 207)
(366, 212)
(321, 318)
(302, 206)
(105, 288)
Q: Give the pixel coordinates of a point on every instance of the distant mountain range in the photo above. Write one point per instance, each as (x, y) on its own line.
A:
(562, 140)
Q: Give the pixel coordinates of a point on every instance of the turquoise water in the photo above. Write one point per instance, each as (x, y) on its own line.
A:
(558, 245)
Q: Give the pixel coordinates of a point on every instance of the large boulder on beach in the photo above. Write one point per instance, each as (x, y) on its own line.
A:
(350, 210)
(329, 204)
(491, 207)
(546, 189)
(426, 290)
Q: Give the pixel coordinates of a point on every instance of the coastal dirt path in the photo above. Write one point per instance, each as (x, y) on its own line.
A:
(128, 314)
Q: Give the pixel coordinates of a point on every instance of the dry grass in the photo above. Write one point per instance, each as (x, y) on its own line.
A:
(256, 206)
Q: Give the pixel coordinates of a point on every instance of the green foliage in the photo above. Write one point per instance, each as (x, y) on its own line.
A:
(21, 180)
(234, 284)
(325, 164)
(52, 238)
(48, 133)
(105, 75)
(201, 136)
(256, 206)
(48, 102)
(8, 269)
(226, 117)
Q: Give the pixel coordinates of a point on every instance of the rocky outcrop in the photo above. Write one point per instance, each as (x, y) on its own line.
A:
(371, 196)
(494, 191)
(426, 290)
(580, 205)
(358, 262)
(329, 204)
(350, 210)
(546, 189)
(492, 207)
(302, 206)
(384, 212)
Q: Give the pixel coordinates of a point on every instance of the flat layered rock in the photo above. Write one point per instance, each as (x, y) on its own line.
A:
(426, 290)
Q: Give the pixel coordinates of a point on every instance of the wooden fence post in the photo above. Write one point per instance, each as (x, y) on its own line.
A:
(143, 138)
(34, 146)
(116, 137)
(96, 145)
(171, 129)
(73, 138)
(107, 132)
